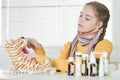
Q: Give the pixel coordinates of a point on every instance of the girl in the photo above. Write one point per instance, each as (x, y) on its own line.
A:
(92, 26)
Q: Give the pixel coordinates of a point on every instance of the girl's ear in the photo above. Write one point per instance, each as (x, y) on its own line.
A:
(99, 24)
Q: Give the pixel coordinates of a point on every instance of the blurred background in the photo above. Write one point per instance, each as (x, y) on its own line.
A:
(52, 23)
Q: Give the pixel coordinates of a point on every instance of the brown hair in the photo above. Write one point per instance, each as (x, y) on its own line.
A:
(102, 14)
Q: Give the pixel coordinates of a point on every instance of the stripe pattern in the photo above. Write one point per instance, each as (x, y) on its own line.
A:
(87, 39)
(21, 61)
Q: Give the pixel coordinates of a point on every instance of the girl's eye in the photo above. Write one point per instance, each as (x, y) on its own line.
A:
(87, 19)
(80, 15)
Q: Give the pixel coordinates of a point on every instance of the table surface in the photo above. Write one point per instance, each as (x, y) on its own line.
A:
(114, 75)
(54, 76)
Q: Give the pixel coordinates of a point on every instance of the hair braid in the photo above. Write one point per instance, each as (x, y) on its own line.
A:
(103, 15)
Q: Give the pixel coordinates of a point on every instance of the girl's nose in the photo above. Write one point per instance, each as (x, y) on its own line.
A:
(80, 21)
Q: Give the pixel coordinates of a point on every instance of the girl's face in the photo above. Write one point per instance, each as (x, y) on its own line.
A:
(88, 20)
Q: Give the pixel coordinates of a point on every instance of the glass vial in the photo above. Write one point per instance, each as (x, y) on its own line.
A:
(84, 65)
(71, 66)
(78, 62)
(92, 65)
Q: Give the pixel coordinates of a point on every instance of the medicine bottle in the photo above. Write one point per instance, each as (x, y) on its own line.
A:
(84, 65)
(71, 66)
(106, 64)
(93, 66)
(78, 63)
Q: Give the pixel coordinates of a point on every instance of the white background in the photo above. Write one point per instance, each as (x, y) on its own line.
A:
(52, 23)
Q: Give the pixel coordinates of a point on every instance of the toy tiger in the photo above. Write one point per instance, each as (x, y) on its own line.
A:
(21, 57)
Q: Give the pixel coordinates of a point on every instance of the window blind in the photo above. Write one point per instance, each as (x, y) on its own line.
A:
(0, 19)
(51, 22)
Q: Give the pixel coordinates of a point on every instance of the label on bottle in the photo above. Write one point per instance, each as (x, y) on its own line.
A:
(83, 68)
(106, 67)
(106, 72)
(94, 69)
(97, 71)
(71, 69)
(78, 72)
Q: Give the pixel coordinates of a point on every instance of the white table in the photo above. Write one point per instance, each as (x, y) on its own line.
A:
(55, 76)
(60, 76)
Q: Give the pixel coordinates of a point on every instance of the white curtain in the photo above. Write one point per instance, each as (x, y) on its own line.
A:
(0, 19)
(51, 22)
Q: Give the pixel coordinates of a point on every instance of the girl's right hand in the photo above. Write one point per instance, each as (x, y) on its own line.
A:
(32, 43)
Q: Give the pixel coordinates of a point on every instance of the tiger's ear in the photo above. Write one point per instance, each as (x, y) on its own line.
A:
(99, 24)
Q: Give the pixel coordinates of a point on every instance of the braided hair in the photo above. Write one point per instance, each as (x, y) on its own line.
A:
(103, 15)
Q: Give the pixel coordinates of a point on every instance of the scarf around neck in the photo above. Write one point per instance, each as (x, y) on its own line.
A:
(87, 39)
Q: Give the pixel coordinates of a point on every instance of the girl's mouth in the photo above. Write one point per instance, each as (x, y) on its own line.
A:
(80, 25)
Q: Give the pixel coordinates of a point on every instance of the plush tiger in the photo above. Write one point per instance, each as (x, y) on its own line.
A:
(22, 59)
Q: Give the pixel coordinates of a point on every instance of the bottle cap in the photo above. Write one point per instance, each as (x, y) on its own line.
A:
(70, 59)
(84, 56)
(105, 54)
(78, 54)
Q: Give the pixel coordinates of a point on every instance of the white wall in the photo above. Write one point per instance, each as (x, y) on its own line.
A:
(55, 19)
(0, 18)
(25, 14)
(41, 19)
(116, 33)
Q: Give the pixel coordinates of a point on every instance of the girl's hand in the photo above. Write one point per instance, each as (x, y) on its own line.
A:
(32, 43)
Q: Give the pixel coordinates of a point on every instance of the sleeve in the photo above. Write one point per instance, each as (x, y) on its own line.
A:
(61, 62)
(64, 51)
(104, 46)
(40, 54)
